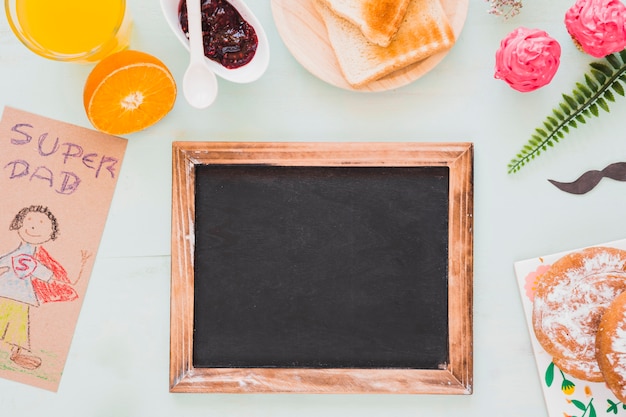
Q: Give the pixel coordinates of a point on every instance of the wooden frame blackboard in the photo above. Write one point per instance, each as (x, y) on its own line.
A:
(252, 313)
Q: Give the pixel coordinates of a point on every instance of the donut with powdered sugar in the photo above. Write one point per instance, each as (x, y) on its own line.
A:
(569, 302)
(611, 347)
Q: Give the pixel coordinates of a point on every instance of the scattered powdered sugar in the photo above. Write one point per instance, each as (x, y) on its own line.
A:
(570, 310)
(618, 342)
(617, 358)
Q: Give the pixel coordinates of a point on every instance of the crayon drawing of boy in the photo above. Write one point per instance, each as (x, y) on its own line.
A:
(28, 277)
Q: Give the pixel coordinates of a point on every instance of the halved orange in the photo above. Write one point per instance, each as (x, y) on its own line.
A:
(128, 91)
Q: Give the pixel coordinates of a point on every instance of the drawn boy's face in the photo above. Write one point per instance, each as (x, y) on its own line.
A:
(36, 228)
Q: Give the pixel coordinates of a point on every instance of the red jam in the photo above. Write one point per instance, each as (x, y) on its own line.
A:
(228, 39)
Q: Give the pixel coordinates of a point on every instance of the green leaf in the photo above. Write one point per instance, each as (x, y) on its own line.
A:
(591, 83)
(565, 109)
(570, 101)
(603, 104)
(579, 405)
(614, 61)
(549, 377)
(599, 75)
(579, 97)
(604, 69)
(592, 410)
(558, 114)
(594, 92)
(584, 90)
(553, 122)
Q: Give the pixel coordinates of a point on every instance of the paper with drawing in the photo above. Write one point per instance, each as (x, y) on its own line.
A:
(56, 185)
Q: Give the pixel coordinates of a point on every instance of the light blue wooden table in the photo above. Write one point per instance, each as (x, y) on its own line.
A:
(119, 361)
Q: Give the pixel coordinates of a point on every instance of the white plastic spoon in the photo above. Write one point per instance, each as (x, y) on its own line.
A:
(199, 82)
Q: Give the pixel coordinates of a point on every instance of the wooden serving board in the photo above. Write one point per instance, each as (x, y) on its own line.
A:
(304, 33)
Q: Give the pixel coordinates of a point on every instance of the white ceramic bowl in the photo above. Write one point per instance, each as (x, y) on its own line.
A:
(253, 70)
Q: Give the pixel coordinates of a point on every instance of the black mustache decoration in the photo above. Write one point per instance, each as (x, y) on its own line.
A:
(587, 181)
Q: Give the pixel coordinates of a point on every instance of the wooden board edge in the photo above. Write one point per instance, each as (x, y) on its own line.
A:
(456, 379)
(181, 299)
(460, 272)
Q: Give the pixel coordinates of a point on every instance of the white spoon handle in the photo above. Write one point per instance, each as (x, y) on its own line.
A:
(199, 82)
(194, 23)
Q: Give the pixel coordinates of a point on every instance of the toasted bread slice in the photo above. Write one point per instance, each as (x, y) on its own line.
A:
(379, 20)
(424, 31)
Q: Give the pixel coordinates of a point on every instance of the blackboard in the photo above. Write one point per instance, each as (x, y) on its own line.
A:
(316, 263)
(321, 267)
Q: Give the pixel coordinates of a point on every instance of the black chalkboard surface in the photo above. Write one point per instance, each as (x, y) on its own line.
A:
(322, 267)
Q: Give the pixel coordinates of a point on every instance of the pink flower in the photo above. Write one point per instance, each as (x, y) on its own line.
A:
(527, 59)
(530, 283)
(598, 26)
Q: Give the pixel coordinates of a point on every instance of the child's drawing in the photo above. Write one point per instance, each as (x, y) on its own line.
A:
(29, 276)
(57, 181)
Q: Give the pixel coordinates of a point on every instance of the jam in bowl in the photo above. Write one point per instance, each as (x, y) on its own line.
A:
(235, 44)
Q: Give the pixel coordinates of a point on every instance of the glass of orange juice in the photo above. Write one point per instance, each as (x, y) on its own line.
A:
(71, 30)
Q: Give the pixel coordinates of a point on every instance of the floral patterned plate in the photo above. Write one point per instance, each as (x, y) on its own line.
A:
(565, 395)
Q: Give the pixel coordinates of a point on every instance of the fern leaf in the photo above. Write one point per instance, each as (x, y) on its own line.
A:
(591, 83)
(580, 98)
(587, 92)
(570, 101)
(603, 68)
(558, 114)
(603, 104)
(553, 122)
(614, 61)
(599, 76)
(584, 102)
(565, 109)
(609, 96)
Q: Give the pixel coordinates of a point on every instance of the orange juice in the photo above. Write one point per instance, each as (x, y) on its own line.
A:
(71, 30)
